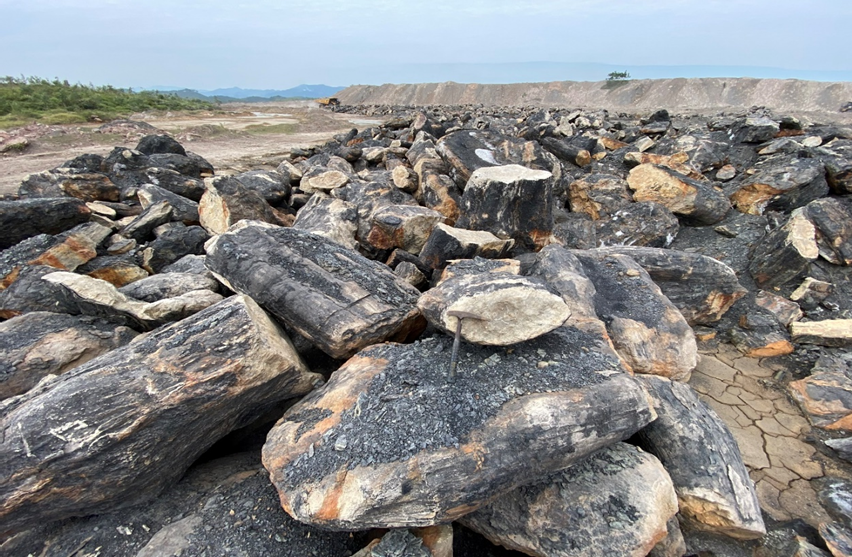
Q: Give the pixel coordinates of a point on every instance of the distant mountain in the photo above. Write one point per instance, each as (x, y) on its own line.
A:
(301, 91)
(237, 94)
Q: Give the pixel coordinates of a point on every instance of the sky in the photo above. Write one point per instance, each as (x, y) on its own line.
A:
(278, 44)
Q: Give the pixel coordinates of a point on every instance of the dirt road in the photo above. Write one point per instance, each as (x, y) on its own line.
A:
(236, 138)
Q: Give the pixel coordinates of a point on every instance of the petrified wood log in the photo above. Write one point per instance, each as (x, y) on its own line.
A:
(391, 441)
(369, 197)
(759, 334)
(702, 288)
(339, 299)
(563, 272)
(159, 144)
(712, 483)
(829, 332)
(320, 178)
(168, 285)
(61, 182)
(567, 151)
(504, 308)
(227, 201)
(615, 502)
(510, 201)
(117, 270)
(698, 202)
(479, 265)
(173, 244)
(30, 293)
(28, 217)
(783, 255)
(272, 185)
(644, 223)
(825, 398)
(446, 243)
(647, 329)
(37, 344)
(99, 298)
(118, 430)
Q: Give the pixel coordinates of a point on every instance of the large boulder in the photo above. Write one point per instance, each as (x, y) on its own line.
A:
(781, 183)
(392, 441)
(25, 218)
(227, 201)
(465, 151)
(118, 430)
(615, 502)
(697, 202)
(510, 201)
(332, 295)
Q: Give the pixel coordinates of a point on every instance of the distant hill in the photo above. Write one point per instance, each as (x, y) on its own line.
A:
(237, 94)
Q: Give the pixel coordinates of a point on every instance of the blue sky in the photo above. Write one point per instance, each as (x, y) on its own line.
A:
(268, 44)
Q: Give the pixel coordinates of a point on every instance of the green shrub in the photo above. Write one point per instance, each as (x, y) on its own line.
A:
(25, 99)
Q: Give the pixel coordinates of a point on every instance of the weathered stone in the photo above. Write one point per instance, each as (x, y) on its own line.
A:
(726, 173)
(227, 201)
(478, 265)
(811, 293)
(154, 406)
(836, 497)
(168, 285)
(826, 398)
(160, 144)
(837, 538)
(274, 187)
(697, 202)
(510, 201)
(30, 293)
(465, 151)
(837, 157)
(330, 218)
(446, 243)
(173, 244)
(61, 182)
(403, 226)
(141, 228)
(38, 344)
(331, 295)
(99, 298)
(506, 308)
(396, 543)
(759, 334)
(637, 224)
(679, 162)
(322, 179)
(615, 502)
(192, 518)
(702, 288)
(599, 195)
(783, 255)
(183, 209)
(117, 270)
(390, 442)
(369, 197)
(23, 219)
(713, 486)
(436, 189)
(564, 273)
(781, 184)
(405, 179)
(409, 272)
(673, 545)
(782, 308)
(832, 218)
(647, 330)
(754, 129)
(830, 332)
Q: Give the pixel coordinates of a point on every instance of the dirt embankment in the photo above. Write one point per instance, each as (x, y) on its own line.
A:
(704, 94)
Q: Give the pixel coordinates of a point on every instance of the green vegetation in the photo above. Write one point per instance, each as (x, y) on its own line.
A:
(272, 128)
(27, 99)
(618, 76)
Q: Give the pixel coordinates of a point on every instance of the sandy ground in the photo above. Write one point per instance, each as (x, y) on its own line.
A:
(236, 138)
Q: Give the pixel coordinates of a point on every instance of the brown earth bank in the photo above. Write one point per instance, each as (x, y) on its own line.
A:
(235, 138)
(681, 94)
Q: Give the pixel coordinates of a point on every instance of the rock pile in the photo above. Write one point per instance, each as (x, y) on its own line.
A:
(505, 304)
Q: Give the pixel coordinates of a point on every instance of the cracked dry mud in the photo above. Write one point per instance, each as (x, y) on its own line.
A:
(775, 438)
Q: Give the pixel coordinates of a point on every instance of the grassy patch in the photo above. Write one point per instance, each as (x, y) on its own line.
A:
(272, 128)
(27, 99)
